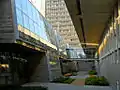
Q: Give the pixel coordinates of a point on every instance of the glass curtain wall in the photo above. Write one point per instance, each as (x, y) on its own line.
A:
(75, 53)
(29, 18)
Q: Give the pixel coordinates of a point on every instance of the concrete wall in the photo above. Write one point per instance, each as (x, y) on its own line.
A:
(77, 66)
(110, 70)
(69, 66)
(84, 66)
(54, 70)
(109, 55)
(38, 68)
(55, 73)
(6, 22)
(65, 67)
(72, 65)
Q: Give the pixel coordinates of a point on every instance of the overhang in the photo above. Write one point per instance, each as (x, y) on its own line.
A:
(90, 18)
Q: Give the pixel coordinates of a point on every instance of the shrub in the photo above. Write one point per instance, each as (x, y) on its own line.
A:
(68, 81)
(103, 81)
(60, 79)
(99, 81)
(92, 72)
(63, 80)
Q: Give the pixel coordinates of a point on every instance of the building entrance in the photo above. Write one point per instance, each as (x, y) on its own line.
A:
(12, 68)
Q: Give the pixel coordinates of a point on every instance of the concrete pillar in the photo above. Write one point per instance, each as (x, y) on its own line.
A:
(38, 68)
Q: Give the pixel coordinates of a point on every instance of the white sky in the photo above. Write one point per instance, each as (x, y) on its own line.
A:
(40, 5)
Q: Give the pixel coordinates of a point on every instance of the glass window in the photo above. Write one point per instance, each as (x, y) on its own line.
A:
(31, 25)
(39, 32)
(45, 35)
(26, 22)
(38, 21)
(18, 4)
(24, 5)
(30, 18)
(37, 17)
(42, 25)
(33, 10)
(19, 17)
(29, 9)
(27, 4)
(36, 28)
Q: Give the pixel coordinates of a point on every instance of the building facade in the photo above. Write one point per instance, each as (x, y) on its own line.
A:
(28, 44)
(109, 50)
(57, 14)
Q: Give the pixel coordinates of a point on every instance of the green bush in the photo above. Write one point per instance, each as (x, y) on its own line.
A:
(68, 81)
(103, 81)
(63, 80)
(99, 81)
(92, 72)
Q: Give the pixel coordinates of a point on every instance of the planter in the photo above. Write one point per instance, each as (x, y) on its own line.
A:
(92, 72)
(97, 81)
(98, 87)
(63, 80)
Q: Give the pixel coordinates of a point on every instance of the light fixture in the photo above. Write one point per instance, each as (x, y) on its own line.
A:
(91, 44)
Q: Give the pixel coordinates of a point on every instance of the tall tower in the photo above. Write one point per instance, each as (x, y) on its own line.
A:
(57, 14)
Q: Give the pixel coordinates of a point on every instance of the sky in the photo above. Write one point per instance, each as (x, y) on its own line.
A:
(40, 5)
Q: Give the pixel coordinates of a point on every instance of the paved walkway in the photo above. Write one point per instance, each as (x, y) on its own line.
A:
(80, 78)
(78, 84)
(54, 86)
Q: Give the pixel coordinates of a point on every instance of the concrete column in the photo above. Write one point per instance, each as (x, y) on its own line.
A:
(117, 43)
(38, 68)
(49, 67)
